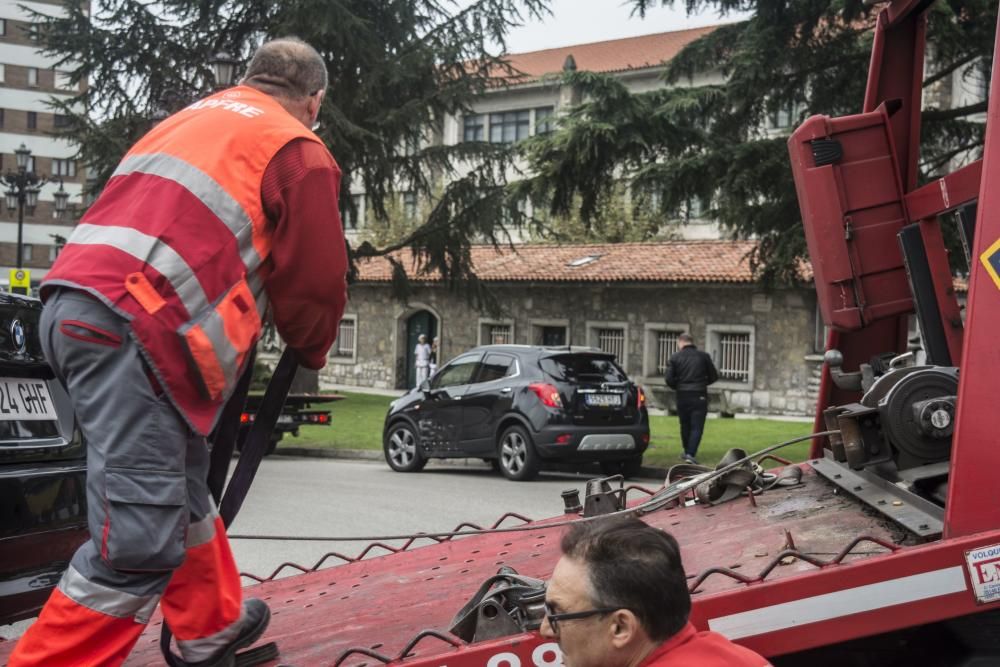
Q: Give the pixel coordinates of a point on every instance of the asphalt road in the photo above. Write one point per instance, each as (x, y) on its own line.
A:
(334, 497)
(298, 496)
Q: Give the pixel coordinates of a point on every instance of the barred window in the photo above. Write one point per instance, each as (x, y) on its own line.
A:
(346, 343)
(500, 334)
(612, 341)
(666, 345)
(734, 356)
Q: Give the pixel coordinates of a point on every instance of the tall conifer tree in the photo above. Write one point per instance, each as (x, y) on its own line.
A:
(397, 67)
(710, 141)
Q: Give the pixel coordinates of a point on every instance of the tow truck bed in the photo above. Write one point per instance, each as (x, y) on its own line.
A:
(385, 600)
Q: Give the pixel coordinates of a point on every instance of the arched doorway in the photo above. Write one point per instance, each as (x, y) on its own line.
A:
(421, 322)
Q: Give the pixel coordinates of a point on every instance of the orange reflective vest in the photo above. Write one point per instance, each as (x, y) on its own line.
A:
(178, 241)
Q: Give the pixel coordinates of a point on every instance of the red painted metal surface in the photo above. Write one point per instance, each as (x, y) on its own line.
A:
(381, 603)
(945, 194)
(973, 492)
(852, 210)
(790, 544)
(896, 73)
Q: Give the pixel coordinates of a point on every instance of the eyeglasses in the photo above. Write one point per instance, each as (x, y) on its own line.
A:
(554, 618)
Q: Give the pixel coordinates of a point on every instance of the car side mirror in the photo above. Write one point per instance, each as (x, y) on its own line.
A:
(425, 386)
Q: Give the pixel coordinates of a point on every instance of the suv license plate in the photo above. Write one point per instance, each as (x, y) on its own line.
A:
(23, 399)
(603, 400)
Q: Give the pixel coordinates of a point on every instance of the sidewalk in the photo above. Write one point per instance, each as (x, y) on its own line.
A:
(396, 393)
(375, 455)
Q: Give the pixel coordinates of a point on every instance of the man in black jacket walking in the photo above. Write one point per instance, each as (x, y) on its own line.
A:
(689, 372)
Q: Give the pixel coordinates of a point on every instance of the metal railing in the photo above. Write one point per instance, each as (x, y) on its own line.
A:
(612, 341)
(666, 345)
(734, 356)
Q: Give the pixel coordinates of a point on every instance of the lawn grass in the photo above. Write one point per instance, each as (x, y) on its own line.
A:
(357, 424)
(722, 435)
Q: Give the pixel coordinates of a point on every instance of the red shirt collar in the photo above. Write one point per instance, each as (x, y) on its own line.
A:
(685, 635)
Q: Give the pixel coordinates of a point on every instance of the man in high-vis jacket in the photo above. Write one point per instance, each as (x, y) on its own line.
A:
(222, 213)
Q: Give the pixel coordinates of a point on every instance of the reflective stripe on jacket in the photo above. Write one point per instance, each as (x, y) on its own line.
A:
(178, 240)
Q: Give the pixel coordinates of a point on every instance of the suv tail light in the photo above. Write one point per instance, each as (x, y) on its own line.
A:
(547, 394)
(640, 397)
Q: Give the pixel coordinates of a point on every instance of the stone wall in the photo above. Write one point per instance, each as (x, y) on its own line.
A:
(781, 324)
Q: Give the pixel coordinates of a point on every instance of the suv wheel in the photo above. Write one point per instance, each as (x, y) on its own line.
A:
(517, 456)
(627, 468)
(402, 451)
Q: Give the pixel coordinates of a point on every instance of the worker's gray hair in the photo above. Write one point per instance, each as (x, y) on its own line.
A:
(685, 338)
(287, 67)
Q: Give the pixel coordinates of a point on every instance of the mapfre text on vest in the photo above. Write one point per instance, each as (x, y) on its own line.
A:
(229, 105)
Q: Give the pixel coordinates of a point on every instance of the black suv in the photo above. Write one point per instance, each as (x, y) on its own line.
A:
(43, 503)
(520, 406)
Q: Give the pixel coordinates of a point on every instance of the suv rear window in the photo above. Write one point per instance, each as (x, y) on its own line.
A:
(582, 368)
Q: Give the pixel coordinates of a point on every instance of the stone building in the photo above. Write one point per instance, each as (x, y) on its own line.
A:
(631, 299)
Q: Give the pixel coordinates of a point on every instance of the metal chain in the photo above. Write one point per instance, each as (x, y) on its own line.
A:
(658, 500)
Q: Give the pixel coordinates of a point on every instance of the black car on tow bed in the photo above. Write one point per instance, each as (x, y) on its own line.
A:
(520, 407)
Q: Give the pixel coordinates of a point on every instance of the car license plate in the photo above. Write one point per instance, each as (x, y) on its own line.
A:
(25, 400)
(285, 419)
(603, 400)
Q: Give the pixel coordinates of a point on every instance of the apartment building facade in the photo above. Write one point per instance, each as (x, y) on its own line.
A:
(28, 81)
(529, 103)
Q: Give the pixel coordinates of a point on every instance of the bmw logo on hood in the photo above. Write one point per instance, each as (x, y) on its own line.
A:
(17, 335)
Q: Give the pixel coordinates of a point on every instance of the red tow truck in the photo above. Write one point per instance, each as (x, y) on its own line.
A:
(886, 552)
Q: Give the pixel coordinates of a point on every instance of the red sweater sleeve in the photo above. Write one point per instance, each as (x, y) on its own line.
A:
(307, 278)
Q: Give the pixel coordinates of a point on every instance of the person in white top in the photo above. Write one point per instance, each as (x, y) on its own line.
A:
(422, 353)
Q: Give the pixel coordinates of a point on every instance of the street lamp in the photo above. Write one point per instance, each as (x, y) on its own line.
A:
(22, 191)
(223, 68)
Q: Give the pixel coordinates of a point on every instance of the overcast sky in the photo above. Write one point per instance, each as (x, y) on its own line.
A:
(582, 21)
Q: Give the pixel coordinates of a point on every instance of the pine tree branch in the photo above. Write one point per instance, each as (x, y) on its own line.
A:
(931, 166)
(961, 62)
(936, 115)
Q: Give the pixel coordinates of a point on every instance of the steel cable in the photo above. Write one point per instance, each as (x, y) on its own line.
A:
(658, 500)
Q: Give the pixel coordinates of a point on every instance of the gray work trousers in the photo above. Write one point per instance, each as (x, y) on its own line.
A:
(146, 469)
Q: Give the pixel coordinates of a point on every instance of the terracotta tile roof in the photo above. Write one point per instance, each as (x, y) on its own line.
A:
(667, 261)
(614, 55)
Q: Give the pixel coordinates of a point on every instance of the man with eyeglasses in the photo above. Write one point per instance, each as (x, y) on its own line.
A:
(618, 598)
